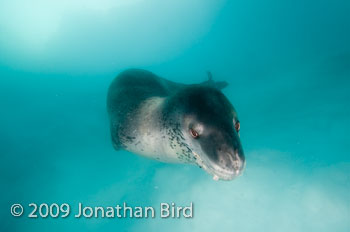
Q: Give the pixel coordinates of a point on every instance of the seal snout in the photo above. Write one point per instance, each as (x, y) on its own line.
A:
(232, 162)
(238, 163)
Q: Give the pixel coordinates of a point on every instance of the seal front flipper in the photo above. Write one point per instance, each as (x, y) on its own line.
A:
(218, 85)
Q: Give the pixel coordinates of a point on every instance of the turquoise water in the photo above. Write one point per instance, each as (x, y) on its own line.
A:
(288, 68)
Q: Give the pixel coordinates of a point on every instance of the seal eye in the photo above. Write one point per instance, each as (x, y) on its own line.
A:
(237, 126)
(194, 133)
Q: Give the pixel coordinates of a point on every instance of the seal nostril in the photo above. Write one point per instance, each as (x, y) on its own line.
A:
(235, 164)
(236, 156)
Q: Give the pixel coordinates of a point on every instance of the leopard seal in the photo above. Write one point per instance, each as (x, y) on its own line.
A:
(176, 123)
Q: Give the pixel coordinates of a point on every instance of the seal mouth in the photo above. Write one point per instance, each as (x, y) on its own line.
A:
(215, 170)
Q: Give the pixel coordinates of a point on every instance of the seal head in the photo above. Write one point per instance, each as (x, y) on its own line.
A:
(210, 127)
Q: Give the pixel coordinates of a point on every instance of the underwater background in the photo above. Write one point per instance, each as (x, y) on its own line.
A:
(288, 68)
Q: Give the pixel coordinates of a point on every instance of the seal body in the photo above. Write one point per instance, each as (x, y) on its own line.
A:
(135, 102)
(174, 122)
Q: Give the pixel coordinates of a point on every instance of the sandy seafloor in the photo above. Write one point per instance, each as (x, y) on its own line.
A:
(288, 68)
